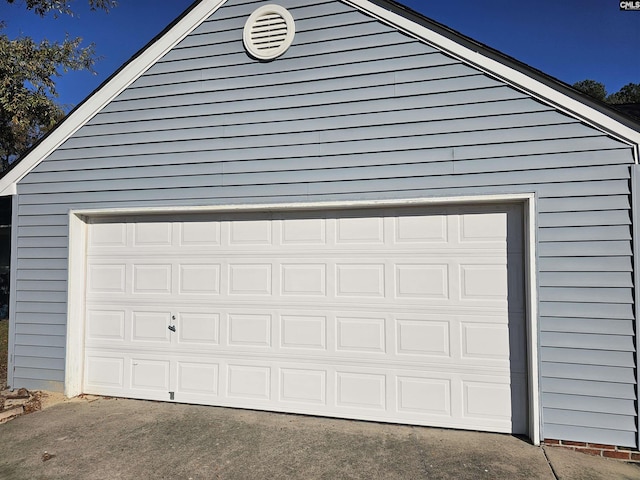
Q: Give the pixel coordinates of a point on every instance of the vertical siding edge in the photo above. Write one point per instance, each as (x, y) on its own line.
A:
(531, 297)
(13, 285)
(635, 190)
(74, 352)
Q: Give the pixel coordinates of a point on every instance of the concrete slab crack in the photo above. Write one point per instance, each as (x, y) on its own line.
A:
(553, 472)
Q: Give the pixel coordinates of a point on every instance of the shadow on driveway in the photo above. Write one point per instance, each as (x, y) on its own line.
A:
(127, 439)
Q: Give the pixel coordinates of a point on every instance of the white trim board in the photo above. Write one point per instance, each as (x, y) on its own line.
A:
(13, 300)
(140, 64)
(635, 232)
(77, 265)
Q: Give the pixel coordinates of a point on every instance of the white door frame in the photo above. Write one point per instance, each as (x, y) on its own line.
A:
(78, 219)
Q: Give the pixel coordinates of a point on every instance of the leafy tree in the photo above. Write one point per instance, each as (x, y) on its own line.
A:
(630, 93)
(43, 7)
(592, 88)
(28, 71)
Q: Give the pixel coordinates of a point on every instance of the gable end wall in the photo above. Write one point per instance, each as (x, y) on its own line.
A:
(353, 111)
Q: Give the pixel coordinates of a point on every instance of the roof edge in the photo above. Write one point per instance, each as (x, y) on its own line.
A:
(135, 67)
(508, 69)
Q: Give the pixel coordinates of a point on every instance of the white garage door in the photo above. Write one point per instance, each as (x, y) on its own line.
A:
(402, 315)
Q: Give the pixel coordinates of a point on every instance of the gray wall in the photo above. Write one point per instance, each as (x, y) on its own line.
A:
(5, 254)
(354, 110)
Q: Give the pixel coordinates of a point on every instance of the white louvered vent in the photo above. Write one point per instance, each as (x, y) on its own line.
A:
(269, 32)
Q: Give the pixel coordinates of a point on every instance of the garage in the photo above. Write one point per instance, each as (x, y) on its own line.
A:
(335, 230)
(411, 315)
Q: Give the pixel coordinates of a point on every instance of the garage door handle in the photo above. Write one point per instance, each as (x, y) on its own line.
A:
(172, 328)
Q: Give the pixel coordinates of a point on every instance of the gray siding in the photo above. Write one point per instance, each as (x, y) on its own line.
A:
(354, 111)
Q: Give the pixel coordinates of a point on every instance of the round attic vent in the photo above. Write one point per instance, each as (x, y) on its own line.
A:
(269, 32)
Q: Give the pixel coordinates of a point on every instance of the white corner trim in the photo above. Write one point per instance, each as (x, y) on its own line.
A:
(96, 102)
(513, 77)
(74, 358)
(13, 300)
(299, 206)
(531, 308)
(635, 221)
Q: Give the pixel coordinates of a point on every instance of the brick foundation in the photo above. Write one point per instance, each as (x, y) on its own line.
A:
(596, 449)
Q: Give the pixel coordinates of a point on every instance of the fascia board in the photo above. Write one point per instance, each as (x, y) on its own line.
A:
(499, 70)
(98, 100)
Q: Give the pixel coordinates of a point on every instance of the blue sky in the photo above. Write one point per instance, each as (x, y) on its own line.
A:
(571, 40)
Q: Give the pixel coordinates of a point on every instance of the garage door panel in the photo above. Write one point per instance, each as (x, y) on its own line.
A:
(486, 400)
(483, 282)
(483, 228)
(408, 315)
(249, 381)
(152, 279)
(198, 328)
(303, 232)
(304, 331)
(198, 380)
(360, 390)
(250, 329)
(199, 234)
(250, 279)
(151, 326)
(301, 278)
(424, 396)
(106, 279)
(250, 232)
(424, 281)
(477, 340)
(104, 373)
(419, 396)
(103, 235)
(359, 230)
(360, 280)
(421, 229)
(303, 386)
(361, 334)
(423, 337)
(148, 374)
(485, 341)
(105, 325)
(199, 279)
(442, 280)
(147, 234)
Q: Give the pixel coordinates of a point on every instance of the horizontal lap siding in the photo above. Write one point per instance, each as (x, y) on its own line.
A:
(354, 111)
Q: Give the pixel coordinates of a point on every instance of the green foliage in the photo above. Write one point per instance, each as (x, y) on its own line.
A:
(28, 71)
(592, 88)
(27, 88)
(630, 93)
(43, 7)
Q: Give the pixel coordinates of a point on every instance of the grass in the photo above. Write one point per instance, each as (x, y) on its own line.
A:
(4, 346)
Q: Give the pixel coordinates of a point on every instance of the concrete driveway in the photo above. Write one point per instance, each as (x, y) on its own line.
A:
(130, 439)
